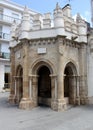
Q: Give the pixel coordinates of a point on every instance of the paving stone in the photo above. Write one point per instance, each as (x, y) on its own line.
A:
(43, 118)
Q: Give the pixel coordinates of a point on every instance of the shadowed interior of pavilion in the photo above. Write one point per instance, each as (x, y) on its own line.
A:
(44, 86)
(70, 83)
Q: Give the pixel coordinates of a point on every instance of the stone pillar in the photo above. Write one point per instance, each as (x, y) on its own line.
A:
(15, 88)
(60, 86)
(35, 90)
(60, 102)
(12, 80)
(25, 101)
(30, 87)
(53, 91)
(16, 78)
(77, 91)
(83, 74)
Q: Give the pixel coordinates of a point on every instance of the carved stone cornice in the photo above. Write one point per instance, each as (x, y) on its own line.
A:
(42, 41)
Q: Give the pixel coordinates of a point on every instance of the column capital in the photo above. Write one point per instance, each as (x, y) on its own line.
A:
(33, 76)
(17, 77)
(53, 75)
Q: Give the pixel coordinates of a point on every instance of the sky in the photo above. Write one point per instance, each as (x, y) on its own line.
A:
(43, 6)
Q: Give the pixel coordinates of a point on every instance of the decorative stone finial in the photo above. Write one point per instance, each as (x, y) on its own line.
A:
(26, 9)
(79, 19)
(78, 16)
(58, 9)
(57, 6)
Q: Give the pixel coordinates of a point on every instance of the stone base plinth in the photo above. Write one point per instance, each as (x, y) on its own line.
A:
(84, 101)
(77, 102)
(90, 100)
(59, 105)
(26, 104)
(12, 99)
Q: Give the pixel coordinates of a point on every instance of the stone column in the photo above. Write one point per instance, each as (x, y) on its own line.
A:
(25, 101)
(15, 86)
(30, 87)
(35, 90)
(12, 80)
(60, 88)
(83, 73)
(53, 91)
(60, 103)
(77, 90)
(16, 78)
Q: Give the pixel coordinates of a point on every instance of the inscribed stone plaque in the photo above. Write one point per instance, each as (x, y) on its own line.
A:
(41, 50)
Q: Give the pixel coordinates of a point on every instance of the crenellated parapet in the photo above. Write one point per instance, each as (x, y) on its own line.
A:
(46, 25)
(82, 28)
(47, 20)
(37, 22)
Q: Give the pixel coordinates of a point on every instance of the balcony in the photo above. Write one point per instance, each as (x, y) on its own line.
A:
(4, 55)
(8, 19)
(4, 36)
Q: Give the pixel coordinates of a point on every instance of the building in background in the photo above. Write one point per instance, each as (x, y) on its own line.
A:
(9, 12)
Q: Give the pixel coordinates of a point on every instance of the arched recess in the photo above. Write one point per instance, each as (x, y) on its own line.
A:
(42, 73)
(41, 62)
(70, 83)
(19, 83)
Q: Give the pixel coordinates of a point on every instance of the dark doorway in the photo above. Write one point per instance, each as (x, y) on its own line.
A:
(7, 80)
(70, 83)
(68, 75)
(44, 85)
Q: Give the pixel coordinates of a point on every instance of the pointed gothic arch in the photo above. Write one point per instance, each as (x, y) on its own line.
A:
(42, 72)
(70, 82)
(19, 83)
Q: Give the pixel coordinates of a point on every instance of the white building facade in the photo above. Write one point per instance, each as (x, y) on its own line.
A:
(9, 11)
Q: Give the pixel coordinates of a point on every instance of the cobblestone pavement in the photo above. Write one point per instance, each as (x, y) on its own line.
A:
(43, 118)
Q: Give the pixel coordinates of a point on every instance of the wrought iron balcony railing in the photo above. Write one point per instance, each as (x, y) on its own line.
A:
(4, 36)
(8, 19)
(4, 55)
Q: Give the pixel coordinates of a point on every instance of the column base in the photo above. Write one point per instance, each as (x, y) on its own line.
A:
(77, 101)
(26, 104)
(84, 100)
(12, 99)
(59, 105)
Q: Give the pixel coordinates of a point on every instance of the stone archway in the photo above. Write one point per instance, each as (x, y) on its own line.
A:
(70, 83)
(42, 77)
(19, 83)
(44, 86)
